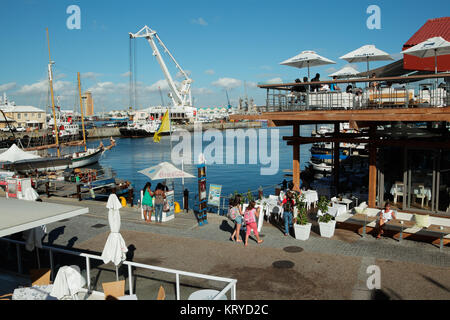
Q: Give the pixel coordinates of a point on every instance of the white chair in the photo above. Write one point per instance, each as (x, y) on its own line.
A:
(421, 194)
(398, 190)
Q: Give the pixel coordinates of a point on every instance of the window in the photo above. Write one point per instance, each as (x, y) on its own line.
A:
(25, 115)
(39, 115)
(19, 115)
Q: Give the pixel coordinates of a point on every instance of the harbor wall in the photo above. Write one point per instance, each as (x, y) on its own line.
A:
(96, 133)
(106, 132)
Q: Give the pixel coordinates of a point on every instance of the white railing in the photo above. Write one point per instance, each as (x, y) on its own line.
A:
(231, 286)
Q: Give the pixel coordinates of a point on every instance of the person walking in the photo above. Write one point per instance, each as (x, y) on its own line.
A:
(160, 195)
(147, 202)
(235, 214)
(250, 216)
(288, 209)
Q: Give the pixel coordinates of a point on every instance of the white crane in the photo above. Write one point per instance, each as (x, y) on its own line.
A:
(180, 97)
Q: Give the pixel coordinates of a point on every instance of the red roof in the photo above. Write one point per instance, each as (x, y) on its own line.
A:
(439, 27)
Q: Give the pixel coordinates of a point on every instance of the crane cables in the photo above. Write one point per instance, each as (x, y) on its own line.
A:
(133, 74)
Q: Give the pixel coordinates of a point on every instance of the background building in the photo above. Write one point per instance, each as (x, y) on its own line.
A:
(22, 116)
(88, 104)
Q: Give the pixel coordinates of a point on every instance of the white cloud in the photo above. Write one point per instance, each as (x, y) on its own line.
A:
(7, 86)
(61, 88)
(227, 83)
(180, 75)
(108, 87)
(202, 91)
(251, 84)
(265, 67)
(199, 21)
(126, 74)
(210, 71)
(275, 80)
(90, 75)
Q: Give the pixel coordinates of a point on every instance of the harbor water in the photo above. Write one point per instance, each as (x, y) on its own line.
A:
(130, 155)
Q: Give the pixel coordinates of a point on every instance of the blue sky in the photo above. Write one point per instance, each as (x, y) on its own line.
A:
(223, 44)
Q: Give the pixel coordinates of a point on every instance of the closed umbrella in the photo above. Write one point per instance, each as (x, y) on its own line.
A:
(307, 59)
(33, 237)
(68, 282)
(365, 54)
(115, 248)
(432, 47)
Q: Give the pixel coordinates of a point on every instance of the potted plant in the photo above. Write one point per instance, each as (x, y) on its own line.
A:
(302, 227)
(327, 224)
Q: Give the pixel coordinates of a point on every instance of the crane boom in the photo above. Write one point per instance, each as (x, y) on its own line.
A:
(181, 97)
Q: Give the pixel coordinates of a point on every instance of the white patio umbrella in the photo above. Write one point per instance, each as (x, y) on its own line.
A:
(365, 54)
(307, 59)
(115, 248)
(432, 47)
(165, 170)
(68, 282)
(345, 72)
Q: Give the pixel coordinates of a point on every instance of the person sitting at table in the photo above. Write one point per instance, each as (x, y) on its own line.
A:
(288, 208)
(386, 215)
(315, 87)
(334, 86)
(373, 85)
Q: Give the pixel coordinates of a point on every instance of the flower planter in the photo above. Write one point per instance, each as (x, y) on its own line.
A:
(327, 228)
(302, 231)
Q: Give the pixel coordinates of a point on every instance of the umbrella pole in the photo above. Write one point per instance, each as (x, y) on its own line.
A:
(117, 274)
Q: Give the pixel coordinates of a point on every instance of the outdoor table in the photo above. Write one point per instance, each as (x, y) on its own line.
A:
(33, 293)
(365, 219)
(205, 295)
(345, 202)
(335, 210)
(402, 224)
(311, 197)
(442, 231)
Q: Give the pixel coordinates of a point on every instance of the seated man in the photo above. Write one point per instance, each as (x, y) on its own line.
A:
(334, 86)
(386, 215)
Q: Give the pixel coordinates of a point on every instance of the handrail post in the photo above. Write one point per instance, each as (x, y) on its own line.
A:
(88, 273)
(130, 279)
(177, 276)
(233, 292)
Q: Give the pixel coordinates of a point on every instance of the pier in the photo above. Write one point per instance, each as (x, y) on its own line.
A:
(373, 109)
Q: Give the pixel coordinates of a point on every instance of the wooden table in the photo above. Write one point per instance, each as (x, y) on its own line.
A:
(402, 224)
(441, 231)
(365, 219)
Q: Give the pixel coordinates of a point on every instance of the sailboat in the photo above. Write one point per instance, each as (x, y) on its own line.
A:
(61, 162)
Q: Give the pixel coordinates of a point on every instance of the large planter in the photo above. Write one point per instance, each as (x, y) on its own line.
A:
(302, 231)
(327, 228)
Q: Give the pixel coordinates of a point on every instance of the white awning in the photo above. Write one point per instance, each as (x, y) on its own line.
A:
(20, 215)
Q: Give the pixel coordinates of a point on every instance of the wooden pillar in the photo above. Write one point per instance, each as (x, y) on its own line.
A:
(372, 169)
(336, 161)
(296, 159)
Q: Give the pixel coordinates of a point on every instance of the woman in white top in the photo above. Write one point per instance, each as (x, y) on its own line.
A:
(385, 215)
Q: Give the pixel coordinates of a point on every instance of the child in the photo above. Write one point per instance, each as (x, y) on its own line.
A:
(250, 215)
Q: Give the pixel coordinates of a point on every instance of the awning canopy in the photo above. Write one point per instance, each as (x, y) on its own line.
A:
(20, 215)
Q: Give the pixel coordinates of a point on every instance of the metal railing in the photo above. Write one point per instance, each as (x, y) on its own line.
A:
(230, 287)
(409, 95)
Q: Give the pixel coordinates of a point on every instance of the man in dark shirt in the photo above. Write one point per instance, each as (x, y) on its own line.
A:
(315, 87)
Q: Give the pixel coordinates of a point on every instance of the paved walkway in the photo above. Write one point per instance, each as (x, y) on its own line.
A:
(280, 268)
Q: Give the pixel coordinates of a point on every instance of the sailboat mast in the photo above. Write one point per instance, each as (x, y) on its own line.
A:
(82, 114)
(50, 78)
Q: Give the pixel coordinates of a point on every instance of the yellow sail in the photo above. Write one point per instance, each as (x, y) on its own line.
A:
(164, 127)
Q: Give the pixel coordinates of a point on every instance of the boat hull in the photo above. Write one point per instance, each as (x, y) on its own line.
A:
(86, 160)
